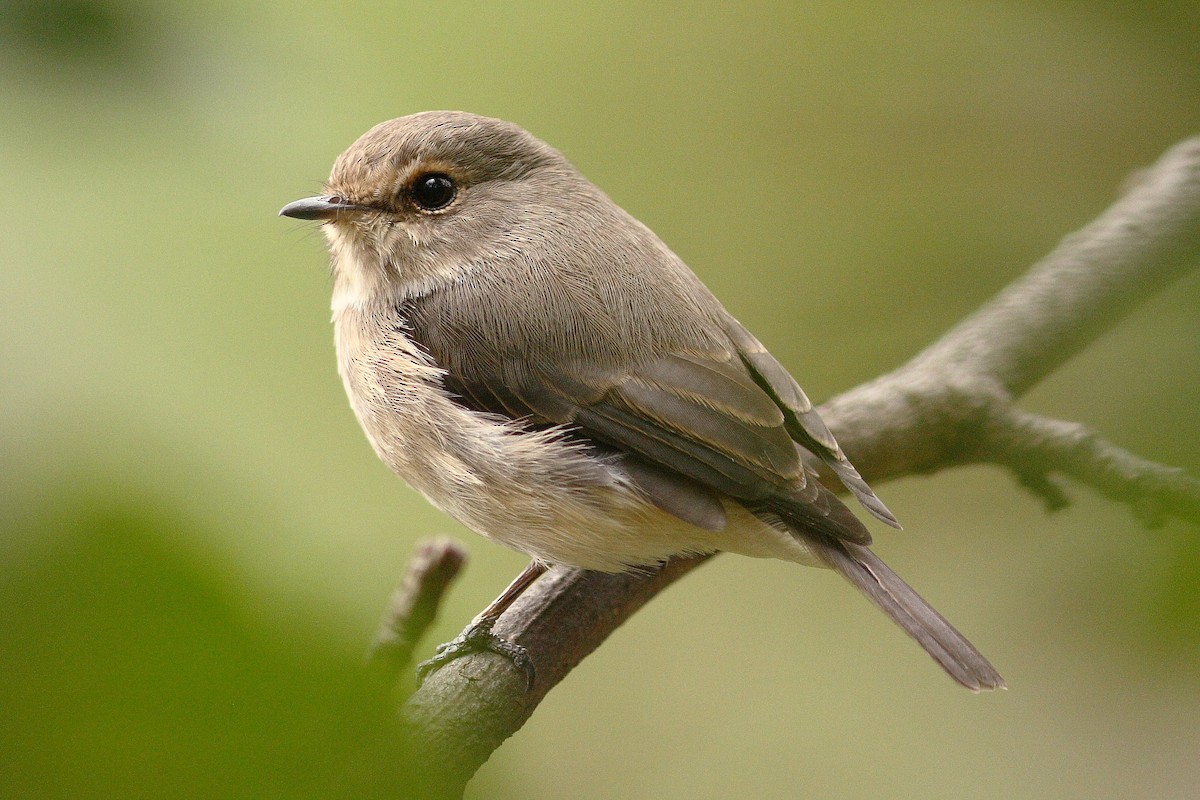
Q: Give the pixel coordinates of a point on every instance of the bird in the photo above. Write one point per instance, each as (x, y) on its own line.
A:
(543, 368)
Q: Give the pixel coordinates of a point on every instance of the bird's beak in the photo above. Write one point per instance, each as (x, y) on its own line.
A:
(323, 208)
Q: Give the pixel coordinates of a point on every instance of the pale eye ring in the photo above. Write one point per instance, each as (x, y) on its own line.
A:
(433, 191)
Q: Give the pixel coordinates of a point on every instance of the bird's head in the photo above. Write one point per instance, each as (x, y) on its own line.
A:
(422, 200)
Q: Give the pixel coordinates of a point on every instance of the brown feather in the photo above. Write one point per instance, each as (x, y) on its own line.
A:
(883, 587)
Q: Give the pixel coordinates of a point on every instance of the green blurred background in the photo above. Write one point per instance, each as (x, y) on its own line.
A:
(197, 541)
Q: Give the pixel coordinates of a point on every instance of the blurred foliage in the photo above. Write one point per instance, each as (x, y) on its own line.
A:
(197, 542)
(135, 668)
(79, 41)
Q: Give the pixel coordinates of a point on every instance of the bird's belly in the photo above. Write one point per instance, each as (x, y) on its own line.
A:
(531, 491)
(562, 507)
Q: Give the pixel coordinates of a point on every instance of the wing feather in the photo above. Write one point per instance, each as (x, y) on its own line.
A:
(695, 421)
(802, 420)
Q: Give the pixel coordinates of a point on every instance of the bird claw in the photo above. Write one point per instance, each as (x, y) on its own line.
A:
(478, 638)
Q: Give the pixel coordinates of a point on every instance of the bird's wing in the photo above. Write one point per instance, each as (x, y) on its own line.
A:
(801, 419)
(689, 424)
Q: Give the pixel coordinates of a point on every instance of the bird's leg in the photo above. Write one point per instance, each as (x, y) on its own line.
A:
(478, 637)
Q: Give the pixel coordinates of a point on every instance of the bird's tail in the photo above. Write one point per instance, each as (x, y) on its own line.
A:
(883, 587)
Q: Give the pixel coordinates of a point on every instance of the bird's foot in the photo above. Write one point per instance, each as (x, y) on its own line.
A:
(478, 638)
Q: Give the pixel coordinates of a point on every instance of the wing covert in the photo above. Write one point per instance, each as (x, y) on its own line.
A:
(705, 420)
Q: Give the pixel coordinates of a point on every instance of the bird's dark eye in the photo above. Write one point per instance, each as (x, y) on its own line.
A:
(433, 192)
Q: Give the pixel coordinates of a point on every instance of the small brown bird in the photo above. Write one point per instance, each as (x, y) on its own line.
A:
(544, 369)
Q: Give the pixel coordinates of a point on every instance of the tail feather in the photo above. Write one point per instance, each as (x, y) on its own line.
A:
(949, 648)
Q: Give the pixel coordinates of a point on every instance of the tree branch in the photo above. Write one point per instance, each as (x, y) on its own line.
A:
(414, 604)
(1096, 276)
(467, 708)
(951, 405)
(1035, 446)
